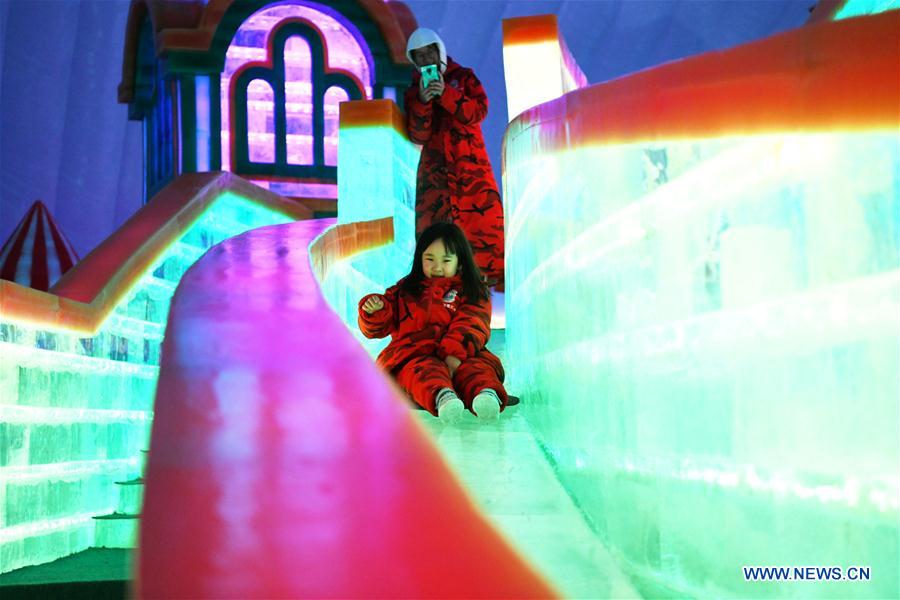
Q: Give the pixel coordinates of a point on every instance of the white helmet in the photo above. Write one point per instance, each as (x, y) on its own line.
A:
(422, 37)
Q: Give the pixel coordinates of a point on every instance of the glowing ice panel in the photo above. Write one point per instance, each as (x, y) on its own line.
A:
(532, 74)
(261, 121)
(378, 174)
(299, 190)
(346, 51)
(201, 83)
(298, 105)
(333, 97)
(539, 71)
(705, 337)
(75, 410)
(855, 8)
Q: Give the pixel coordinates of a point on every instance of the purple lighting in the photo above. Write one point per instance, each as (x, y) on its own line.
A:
(260, 117)
(298, 105)
(345, 52)
(333, 97)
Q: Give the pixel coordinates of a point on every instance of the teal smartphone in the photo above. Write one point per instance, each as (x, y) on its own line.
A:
(429, 74)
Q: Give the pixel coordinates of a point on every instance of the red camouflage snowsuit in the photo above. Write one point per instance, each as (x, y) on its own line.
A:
(425, 330)
(455, 181)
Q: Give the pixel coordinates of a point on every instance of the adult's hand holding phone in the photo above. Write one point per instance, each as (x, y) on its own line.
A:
(435, 89)
(424, 94)
(431, 75)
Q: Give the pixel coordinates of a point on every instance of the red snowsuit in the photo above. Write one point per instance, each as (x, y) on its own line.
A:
(455, 182)
(425, 330)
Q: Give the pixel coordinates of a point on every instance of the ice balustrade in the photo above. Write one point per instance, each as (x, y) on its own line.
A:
(537, 63)
(855, 8)
(76, 406)
(703, 293)
(377, 167)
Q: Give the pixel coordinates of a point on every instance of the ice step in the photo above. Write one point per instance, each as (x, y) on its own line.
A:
(117, 530)
(131, 496)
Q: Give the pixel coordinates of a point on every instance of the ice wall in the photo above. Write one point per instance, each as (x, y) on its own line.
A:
(855, 8)
(377, 166)
(76, 409)
(703, 294)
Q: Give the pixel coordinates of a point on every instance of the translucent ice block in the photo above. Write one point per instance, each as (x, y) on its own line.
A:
(378, 165)
(855, 8)
(76, 409)
(703, 311)
(251, 45)
(537, 63)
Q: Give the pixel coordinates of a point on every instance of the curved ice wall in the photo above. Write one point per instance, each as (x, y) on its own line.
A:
(702, 310)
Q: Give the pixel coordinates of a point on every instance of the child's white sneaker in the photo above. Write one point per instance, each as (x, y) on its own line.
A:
(486, 405)
(450, 408)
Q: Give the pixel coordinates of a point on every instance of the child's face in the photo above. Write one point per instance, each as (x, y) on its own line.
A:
(438, 262)
(428, 55)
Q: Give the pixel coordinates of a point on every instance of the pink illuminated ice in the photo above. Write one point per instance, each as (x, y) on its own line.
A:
(261, 121)
(345, 52)
(333, 97)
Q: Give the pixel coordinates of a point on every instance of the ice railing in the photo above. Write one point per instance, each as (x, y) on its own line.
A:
(79, 365)
(537, 64)
(377, 166)
(702, 308)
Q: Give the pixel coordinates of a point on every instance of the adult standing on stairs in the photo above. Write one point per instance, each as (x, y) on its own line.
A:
(455, 182)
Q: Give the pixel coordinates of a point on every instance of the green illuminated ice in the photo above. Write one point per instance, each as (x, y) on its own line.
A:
(704, 335)
(855, 8)
(377, 169)
(75, 412)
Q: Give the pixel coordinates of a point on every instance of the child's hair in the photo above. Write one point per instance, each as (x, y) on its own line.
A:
(456, 243)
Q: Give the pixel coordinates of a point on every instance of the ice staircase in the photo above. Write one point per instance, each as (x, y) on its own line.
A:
(78, 369)
(119, 529)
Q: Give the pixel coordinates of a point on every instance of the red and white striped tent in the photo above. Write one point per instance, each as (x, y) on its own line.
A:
(37, 253)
